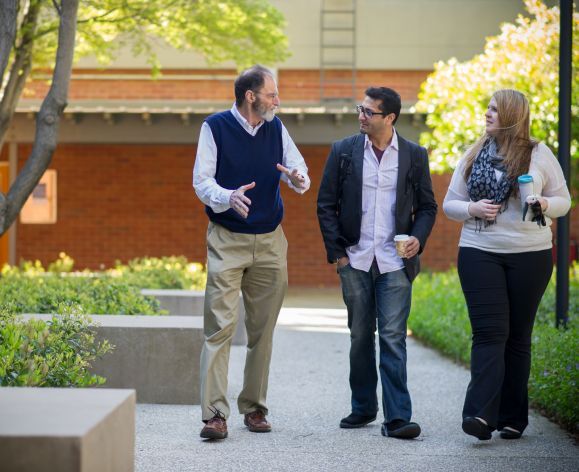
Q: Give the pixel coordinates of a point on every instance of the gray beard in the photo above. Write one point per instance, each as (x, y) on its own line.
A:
(267, 115)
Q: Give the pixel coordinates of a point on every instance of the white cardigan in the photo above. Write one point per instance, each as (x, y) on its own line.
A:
(510, 234)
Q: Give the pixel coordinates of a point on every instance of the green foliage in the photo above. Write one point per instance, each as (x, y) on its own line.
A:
(63, 264)
(439, 315)
(30, 288)
(162, 273)
(524, 57)
(55, 353)
(547, 308)
(172, 272)
(439, 318)
(243, 31)
(555, 373)
(23, 293)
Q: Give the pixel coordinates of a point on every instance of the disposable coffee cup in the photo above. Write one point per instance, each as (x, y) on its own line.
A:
(400, 240)
(526, 189)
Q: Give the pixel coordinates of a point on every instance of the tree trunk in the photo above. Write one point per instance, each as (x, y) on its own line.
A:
(8, 16)
(47, 121)
(19, 70)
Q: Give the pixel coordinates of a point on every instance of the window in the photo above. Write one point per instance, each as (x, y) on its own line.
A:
(40, 208)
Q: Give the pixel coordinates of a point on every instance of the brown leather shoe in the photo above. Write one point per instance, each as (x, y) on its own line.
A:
(256, 422)
(216, 427)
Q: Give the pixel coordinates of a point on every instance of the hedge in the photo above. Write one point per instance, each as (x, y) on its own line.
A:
(55, 353)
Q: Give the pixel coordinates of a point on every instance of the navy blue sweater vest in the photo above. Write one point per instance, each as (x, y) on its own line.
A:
(242, 159)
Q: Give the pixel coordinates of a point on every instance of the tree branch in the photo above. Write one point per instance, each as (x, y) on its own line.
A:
(19, 71)
(8, 16)
(48, 118)
(57, 7)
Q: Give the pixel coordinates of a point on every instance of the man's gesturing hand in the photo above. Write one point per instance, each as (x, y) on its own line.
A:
(239, 202)
(297, 180)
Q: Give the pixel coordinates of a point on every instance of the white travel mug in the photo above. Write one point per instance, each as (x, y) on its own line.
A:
(526, 189)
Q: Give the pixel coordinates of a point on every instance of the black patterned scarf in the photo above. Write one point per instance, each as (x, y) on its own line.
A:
(482, 182)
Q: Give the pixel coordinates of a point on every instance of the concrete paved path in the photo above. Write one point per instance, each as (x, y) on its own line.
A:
(309, 394)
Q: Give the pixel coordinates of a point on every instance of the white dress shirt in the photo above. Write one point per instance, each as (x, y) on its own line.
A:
(378, 208)
(207, 188)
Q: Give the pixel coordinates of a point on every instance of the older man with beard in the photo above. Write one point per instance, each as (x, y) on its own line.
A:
(241, 156)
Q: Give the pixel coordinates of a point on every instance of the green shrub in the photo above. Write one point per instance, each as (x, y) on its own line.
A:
(30, 288)
(56, 353)
(64, 264)
(439, 318)
(94, 295)
(162, 273)
(174, 272)
(555, 373)
(546, 311)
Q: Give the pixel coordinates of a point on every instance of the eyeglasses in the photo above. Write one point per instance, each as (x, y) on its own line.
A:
(367, 112)
(271, 96)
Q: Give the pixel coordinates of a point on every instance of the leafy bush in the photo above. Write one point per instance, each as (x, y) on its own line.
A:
(94, 295)
(555, 373)
(174, 272)
(64, 263)
(56, 353)
(524, 56)
(162, 273)
(30, 288)
(439, 318)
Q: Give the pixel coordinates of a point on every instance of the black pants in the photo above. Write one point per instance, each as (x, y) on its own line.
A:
(502, 293)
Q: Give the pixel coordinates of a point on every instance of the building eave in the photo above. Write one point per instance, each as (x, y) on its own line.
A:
(174, 107)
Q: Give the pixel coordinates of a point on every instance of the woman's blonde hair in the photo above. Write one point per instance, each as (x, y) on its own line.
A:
(513, 139)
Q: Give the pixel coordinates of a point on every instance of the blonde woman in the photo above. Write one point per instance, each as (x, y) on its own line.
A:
(504, 262)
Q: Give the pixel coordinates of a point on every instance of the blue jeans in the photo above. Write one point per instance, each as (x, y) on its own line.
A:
(371, 296)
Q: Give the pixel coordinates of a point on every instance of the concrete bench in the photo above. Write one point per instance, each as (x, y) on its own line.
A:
(67, 429)
(190, 303)
(158, 356)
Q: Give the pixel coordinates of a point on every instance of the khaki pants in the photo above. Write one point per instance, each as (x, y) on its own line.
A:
(256, 264)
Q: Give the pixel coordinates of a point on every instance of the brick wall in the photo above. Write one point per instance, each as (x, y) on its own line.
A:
(208, 85)
(126, 201)
(304, 85)
(119, 202)
(202, 85)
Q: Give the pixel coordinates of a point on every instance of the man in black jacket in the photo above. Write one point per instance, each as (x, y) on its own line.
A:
(376, 185)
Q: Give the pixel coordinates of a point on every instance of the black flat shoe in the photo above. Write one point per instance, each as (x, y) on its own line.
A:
(401, 429)
(356, 421)
(510, 433)
(477, 428)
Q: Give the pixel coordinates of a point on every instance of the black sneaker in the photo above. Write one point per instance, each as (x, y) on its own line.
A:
(401, 429)
(356, 421)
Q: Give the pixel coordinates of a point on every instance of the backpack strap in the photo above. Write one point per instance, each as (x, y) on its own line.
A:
(345, 157)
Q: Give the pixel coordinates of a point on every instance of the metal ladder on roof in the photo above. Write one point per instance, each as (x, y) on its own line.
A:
(338, 52)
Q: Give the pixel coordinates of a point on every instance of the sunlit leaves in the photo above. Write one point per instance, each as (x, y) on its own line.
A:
(524, 56)
(242, 31)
